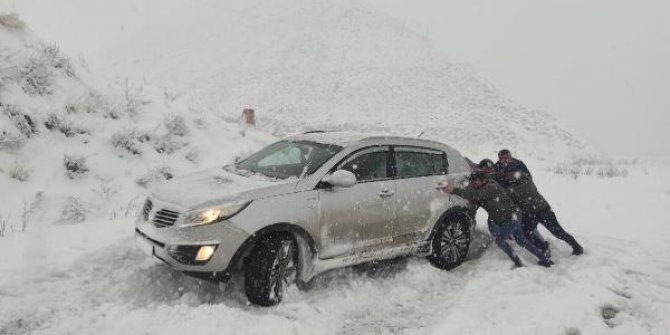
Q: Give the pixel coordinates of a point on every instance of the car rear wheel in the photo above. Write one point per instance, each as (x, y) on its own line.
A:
(270, 268)
(450, 243)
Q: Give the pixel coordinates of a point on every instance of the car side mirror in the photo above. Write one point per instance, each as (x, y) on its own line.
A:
(340, 178)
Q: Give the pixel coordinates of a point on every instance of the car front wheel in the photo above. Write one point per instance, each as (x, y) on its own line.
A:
(270, 268)
(450, 244)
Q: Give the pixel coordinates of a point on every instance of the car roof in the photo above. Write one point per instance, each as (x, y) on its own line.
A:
(345, 138)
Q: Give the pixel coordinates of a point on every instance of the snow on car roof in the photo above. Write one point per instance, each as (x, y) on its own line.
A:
(341, 138)
(345, 138)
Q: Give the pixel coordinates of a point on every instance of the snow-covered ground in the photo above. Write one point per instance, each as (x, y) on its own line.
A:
(89, 278)
(74, 268)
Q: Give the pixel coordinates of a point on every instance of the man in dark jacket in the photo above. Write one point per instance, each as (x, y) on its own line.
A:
(504, 215)
(513, 174)
(488, 167)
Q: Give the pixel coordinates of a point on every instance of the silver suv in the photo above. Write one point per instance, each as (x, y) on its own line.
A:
(307, 204)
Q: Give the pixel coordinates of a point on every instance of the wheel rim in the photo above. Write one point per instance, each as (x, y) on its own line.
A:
(453, 242)
(284, 270)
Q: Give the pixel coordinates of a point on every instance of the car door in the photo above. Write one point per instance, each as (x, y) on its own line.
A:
(359, 218)
(419, 203)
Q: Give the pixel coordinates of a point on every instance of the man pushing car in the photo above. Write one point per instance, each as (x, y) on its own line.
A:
(504, 215)
(513, 175)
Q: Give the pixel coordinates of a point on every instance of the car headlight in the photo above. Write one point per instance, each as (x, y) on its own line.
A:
(213, 214)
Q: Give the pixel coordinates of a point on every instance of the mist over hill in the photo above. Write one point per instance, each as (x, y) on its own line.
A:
(305, 65)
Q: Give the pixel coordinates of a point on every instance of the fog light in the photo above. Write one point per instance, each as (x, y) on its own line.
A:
(205, 253)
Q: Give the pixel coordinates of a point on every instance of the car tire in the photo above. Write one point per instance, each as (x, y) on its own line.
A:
(269, 269)
(450, 243)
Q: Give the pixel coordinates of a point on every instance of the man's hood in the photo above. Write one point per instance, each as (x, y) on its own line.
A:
(214, 186)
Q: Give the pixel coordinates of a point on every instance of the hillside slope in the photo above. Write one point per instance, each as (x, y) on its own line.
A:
(66, 146)
(304, 65)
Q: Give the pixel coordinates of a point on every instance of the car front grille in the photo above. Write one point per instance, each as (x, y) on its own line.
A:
(164, 218)
(146, 209)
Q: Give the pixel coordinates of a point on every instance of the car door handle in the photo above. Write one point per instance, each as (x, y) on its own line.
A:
(386, 193)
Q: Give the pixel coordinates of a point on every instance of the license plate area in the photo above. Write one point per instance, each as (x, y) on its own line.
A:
(144, 245)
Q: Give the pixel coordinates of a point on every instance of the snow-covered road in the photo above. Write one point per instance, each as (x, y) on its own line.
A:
(92, 280)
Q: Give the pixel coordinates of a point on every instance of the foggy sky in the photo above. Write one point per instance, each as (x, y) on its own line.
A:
(602, 67)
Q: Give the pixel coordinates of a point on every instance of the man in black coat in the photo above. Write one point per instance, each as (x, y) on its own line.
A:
(504, 215)
(513, 175)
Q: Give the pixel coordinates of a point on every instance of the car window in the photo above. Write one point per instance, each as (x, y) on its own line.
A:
(286, 159)
(287, 156)
(415, 164)
(370, 166)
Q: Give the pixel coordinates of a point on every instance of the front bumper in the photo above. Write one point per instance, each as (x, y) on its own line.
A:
(159, 241)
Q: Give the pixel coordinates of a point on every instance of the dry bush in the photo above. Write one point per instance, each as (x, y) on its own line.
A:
(127, 140)
(74, 211)
(29, 208)
(10, 142)
(176, 125)
(593, 166)
(12, 21)
(612, 171)
(192, 156)
(57, 123)
(75, 166)
(4, 224)
(52, 56)
(168, 144)
(155, 175)
(21, 121)
(19, 172)
(35, 77)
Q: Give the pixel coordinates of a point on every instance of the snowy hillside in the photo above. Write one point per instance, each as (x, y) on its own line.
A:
(301, 65)
(73, 150)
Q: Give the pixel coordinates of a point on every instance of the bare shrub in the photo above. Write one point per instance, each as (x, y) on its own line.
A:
(176, 125)
(36, 77)
(21, 121)
(127, 140)
(3, 226)
(192, 156)
(155, 175)
(105, 191)
(200, 123)
(612, 171)
(590, 167)
(74, 211)
(167, 144)
(54, 58)
(75, 166)
(95, 103)
(11, 21)
(56, 123)
(10, 142)
(29, 208)
(133, 101)
(19, 172)
(169, 96)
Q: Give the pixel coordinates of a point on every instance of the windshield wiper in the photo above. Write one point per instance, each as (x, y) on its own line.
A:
(305, 169)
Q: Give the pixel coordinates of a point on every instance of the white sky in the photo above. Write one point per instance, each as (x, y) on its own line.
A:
(602, 67)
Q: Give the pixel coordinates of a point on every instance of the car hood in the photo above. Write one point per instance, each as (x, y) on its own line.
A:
(214, 186)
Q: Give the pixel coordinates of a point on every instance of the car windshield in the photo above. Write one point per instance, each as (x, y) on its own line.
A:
(286, 159)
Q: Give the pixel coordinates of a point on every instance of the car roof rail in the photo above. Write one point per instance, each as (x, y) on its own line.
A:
(315, 131)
